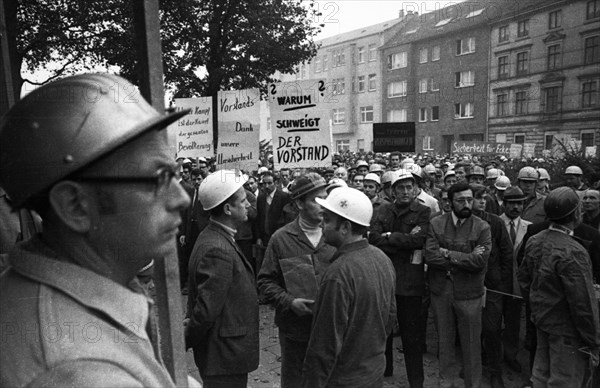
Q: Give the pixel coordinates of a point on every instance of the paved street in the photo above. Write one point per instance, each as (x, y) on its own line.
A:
(267, 374)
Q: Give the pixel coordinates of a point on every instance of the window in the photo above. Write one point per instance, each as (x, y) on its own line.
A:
(435, 113)
(427, 143)
(589, 94)
(339, 86)
(435, 53)
(342, 145)
(397, 60)
(501, 138)
(372, 52)
(592, 50)
(366, 114)
(361, 83)
(303, 69)
(465, 46)
(554, 19)
(593, 9)
(397, 116)
(397, 89)
(587, 138)
(464, 79)
(502, 104)
(521, 102)
(462, 111)
(423, 85)
(324, 62)
(372, 82)
(552, 99)
(503, 34)
(422, 115)
(523, 28)
(503, 67)
(548, 141)
(520, 138)
(522, 63)
(361, 54)
(339, 59)
(318, 65)
(435, 85)
(339, 116)
(360, 145)
(554, 57)
(423, 55)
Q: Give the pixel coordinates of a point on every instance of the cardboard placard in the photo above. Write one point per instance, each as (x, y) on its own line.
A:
(194, 132)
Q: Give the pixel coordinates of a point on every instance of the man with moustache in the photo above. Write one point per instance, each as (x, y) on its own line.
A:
(533, 208)
(456, 252)
(591, 208)
(295, 259)
(222, 315)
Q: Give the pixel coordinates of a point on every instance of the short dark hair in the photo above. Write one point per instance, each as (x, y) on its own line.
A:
(396, 153)
(266, 174)
(355, 228)
(195, 171)
(457, 188)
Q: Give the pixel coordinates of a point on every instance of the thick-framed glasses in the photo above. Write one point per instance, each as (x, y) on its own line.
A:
(161, 179)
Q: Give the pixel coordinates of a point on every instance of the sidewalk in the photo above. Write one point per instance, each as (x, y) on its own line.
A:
(267, 374)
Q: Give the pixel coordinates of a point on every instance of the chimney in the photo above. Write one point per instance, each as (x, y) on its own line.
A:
(401, 14)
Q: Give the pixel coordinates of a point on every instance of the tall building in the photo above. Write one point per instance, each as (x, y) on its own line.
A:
(545, 74)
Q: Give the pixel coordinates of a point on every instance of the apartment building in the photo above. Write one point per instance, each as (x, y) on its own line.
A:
(545, 75)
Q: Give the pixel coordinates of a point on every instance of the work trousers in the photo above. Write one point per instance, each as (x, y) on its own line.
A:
(491, 327)
(468, 317)
(558, 362)
(225, 381)
(292, 360)
(512, 326)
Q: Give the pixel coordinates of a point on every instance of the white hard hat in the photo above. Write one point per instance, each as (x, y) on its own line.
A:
(218, 186)
(350, 204)
(573, 170)
(388, 177)
(373, 177)
(502, 183)
(262, 170)
(430, 169)
(375, 167)
(528, 173)
(335, 183)
(402, 175)
(415, 169)
(544, 175)
(407, 162)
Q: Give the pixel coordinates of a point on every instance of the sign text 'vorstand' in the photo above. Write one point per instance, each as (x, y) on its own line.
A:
(300, 122)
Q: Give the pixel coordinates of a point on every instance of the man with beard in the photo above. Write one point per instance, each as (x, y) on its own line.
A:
(399, 229)
(456, 253)
(533, 208)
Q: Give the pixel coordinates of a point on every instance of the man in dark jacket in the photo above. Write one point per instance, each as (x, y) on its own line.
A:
(270, 203)
(456, 251)
(222, 316)
(400, 229)
(498, 279)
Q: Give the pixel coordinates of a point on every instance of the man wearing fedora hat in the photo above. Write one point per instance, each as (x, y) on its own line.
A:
(296, 257)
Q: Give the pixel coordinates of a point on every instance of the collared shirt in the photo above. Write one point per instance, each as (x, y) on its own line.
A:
(455, 220)
(230, 231)
(270, 197)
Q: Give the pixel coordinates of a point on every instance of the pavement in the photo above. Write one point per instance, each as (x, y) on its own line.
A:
(268, 373)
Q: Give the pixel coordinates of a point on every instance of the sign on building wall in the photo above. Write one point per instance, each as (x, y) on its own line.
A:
(390, 137)
(300, 124)
(508, 150)
(239, 129)
(194, 132)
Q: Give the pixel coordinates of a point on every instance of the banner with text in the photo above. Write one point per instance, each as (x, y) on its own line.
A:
(239, 129)
(500, 149)
(390, 137)
(300, 123)
(194, 131)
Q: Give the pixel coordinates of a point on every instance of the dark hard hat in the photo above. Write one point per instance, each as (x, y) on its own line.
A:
(561, 202)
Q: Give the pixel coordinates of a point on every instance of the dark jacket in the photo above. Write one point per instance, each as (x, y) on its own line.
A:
(400, 245)
(354, 314)
(245, 230)
(500, 264)
(493, 206)
(556, 276)
(465, 269)
(222, 306)
(271, 219)
(287, 243)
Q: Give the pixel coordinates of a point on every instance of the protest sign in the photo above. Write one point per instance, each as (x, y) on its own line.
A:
(300, 122)
(480, 147)
(390, 137)
(528, 150)
(590, 152)
(515, 151)
(239, 129)
(194, 132)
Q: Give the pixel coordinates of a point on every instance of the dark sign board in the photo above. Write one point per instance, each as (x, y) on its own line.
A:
(389, 137)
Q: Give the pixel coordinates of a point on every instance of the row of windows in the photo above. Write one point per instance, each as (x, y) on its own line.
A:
(365, 115)
(400, 88)
(586, 137)
(338, 57)
(554, 54)
(551, 101)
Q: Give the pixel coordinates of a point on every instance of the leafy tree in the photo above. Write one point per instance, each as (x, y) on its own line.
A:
(207, 45)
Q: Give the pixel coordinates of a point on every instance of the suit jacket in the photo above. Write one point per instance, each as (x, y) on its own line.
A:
(246, 230)
(196, 220)
(222, 306)
(274, 214)
(521, 231)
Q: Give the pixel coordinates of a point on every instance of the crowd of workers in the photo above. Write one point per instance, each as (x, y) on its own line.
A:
(347, 256)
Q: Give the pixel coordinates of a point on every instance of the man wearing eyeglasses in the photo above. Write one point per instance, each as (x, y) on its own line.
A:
(456, 252)
(99, 171)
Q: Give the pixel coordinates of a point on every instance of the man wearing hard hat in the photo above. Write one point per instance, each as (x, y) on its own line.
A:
(355, 310)
(100, 173)
(533, 209)
(222, 314)
(295, 259)
(556, 278)
(574, 180)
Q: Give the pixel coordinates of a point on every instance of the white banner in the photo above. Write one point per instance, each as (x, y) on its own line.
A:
(300, 124)
(239, 129)
(194, 132)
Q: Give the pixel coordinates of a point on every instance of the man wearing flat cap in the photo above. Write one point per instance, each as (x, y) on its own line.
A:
(296, 257)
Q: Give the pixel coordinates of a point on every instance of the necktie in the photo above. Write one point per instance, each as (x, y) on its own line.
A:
(513, 233)
(459, 223)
